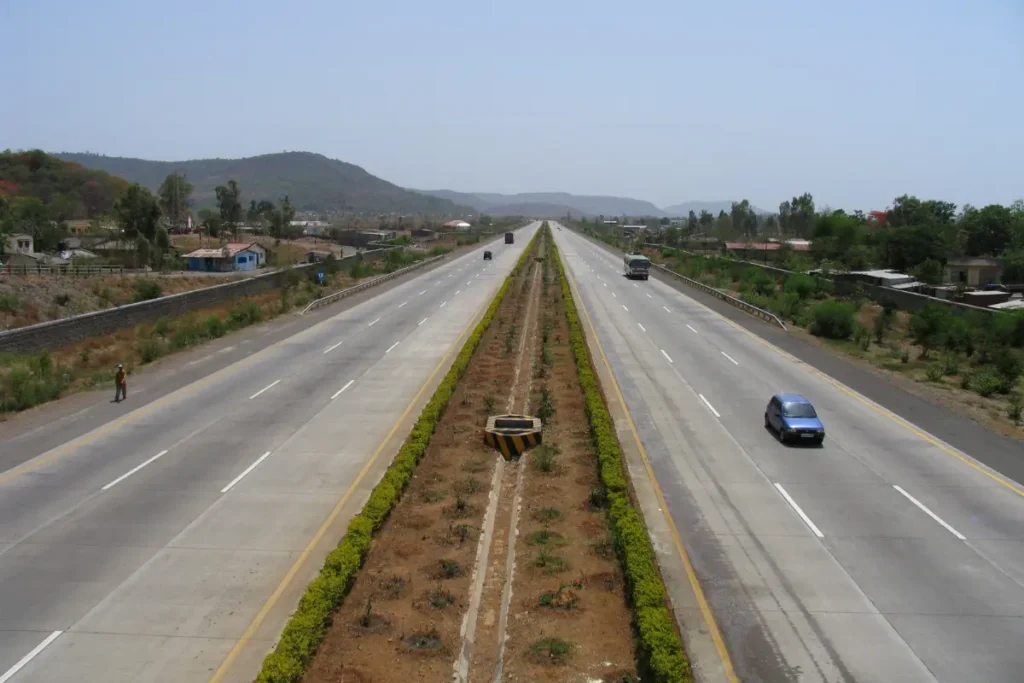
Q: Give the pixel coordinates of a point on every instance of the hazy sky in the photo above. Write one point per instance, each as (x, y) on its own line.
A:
(855, 101)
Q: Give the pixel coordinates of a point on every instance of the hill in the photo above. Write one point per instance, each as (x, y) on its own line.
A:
(590, 205)
(684, 209)
(313, 182)
(534, 210)
(68, 190)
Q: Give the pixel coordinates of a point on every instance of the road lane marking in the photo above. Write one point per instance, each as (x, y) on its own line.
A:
(641, 327)
(803, 516)
(331, 348)
(457, 292)
(730, 358)
(391, 348)
(248, 469)
(422, 293)
(624, 308)
(132, 471)
(648, 295)
(677, 541)
(931, 514)
(9, 674)
(442, 304)
(613, 294)
(468, 282)
(666, 309)
(402, 304)
(422, 321)
(339, 392)
(666, 355)
(878, 408)
(269, 386)
(708, 404)
(691, 329)
(636, 285)
(374, 322)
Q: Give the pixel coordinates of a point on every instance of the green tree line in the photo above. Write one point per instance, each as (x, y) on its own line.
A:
(914, 235)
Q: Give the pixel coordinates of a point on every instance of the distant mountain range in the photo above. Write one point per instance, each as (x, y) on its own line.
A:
(560, 203)
(316, 183)
(313, 182)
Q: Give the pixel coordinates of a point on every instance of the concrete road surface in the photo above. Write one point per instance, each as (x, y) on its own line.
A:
(179, 534)
(883, 556)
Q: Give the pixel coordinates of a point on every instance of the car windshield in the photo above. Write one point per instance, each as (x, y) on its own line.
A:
(798, 410)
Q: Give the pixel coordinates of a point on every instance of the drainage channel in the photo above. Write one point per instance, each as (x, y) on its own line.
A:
(483, 629)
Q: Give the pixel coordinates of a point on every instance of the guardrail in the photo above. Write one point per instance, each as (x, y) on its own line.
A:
(355, 289)
(728, 298)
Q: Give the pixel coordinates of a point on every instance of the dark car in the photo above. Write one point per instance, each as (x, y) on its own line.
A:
(794, 419)
(487, 256)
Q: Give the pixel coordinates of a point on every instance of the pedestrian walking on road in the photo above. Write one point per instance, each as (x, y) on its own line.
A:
(120, 384)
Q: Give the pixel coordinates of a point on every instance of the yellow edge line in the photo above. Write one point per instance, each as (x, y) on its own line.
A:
(869, 403)
(318, 536)
(691, 574)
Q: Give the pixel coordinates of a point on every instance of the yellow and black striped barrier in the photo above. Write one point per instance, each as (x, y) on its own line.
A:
(512, 434)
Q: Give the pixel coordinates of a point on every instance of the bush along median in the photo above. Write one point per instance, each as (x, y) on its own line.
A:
(307, 626)
(661, 648)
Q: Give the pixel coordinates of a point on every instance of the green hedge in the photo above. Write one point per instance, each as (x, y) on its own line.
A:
(306, 628)
(660, 645)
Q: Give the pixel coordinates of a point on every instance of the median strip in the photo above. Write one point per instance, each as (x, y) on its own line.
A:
(659, 645)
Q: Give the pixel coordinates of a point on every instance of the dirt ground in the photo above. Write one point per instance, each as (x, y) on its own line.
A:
(567, 620)
(30, 299)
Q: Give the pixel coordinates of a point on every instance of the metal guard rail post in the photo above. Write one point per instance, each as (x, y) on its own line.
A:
(330, 298)
(738, 303)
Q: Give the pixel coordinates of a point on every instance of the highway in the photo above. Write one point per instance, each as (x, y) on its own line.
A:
(883, 556)
(170, 541)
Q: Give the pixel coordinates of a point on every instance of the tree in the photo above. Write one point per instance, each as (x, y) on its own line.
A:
(175, 198)
(929, 271)
(229, 201)
(1013, 267)
(138, 214)
(692, 223)
(988, 232)
(280, 219)
(706, 220)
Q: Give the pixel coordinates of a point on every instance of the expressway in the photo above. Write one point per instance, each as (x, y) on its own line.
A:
(170, 542)
(883, 556)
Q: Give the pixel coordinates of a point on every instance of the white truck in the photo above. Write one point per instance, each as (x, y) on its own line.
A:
(636, 266)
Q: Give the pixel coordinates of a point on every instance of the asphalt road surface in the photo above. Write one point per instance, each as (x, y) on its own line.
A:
(147, 547)
(883, 556)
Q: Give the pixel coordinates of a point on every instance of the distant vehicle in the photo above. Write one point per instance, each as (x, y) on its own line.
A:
(509, 238)
(793, 417)
(487, 256)
(636, 266)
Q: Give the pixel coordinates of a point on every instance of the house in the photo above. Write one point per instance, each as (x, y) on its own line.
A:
(974, 271)
(317, 256)
(881, 278)
(458, 226)
(21, 244)
(235, 256)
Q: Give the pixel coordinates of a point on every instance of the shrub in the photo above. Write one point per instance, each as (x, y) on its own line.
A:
(1009, 367)
(150, 349)
(833, 319)
(146, 289)
(215, 327)
(986, 382)
(9, 303)
(1015, 407)
(803, 286)
(929, 326)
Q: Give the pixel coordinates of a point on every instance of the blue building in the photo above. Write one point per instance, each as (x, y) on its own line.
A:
(236, 256)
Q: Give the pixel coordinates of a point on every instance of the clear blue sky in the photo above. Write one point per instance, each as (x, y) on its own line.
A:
(856, 102)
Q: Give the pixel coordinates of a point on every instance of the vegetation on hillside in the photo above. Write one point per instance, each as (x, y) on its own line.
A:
(312, 181)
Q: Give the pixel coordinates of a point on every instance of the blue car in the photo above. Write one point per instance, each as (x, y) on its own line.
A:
(794, 419)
